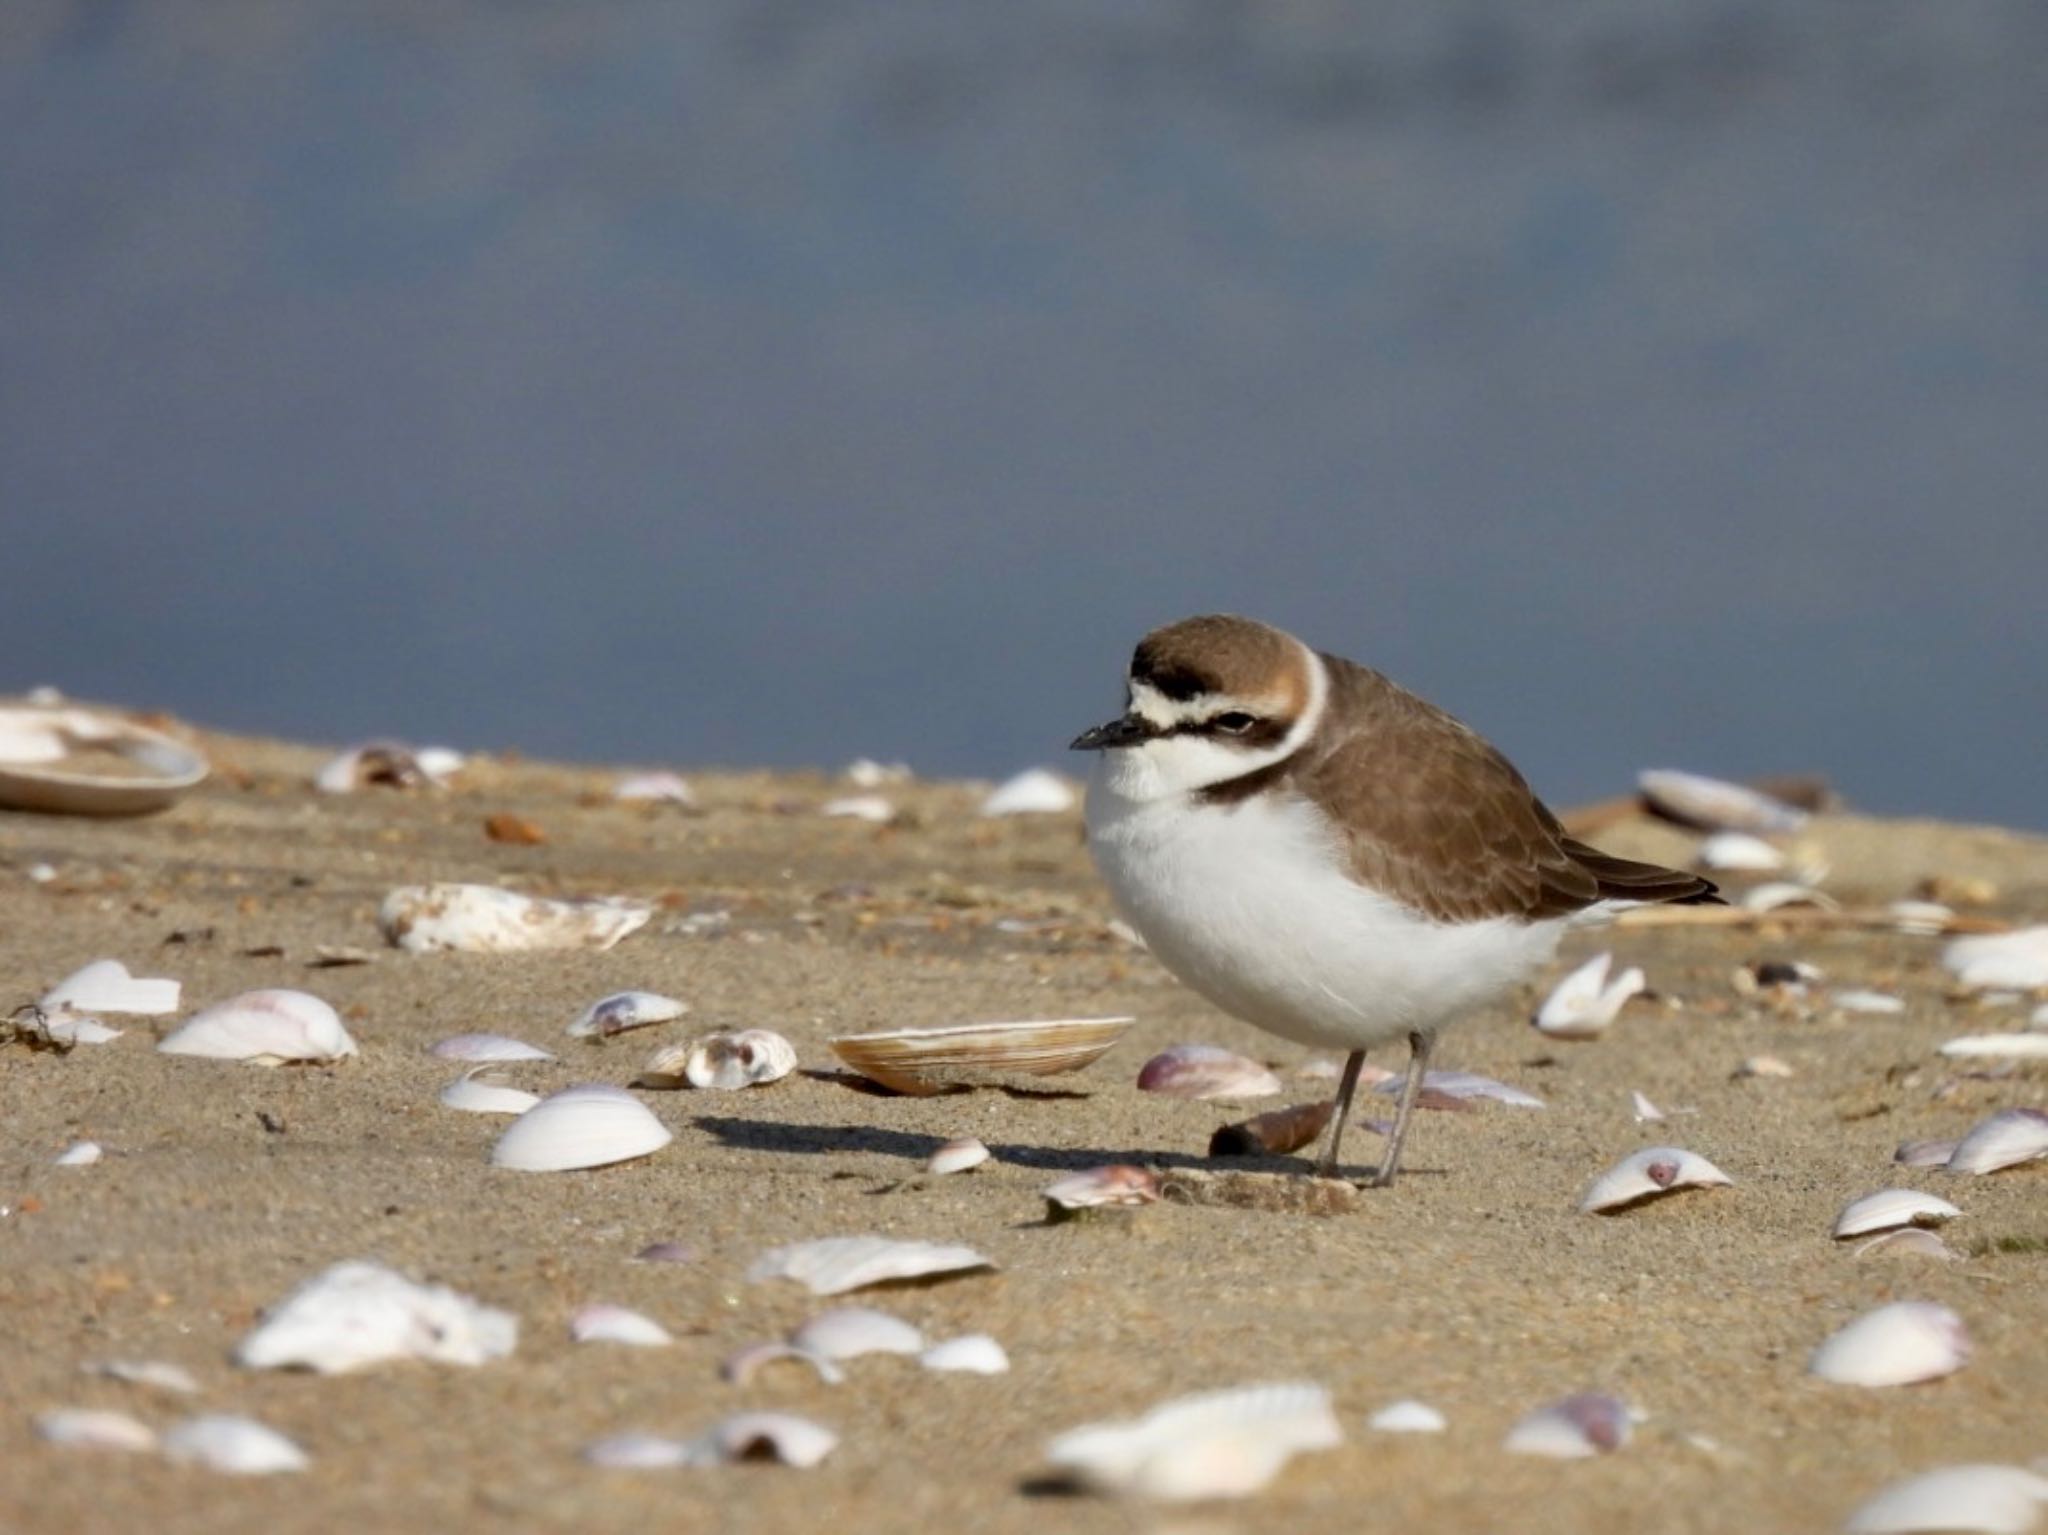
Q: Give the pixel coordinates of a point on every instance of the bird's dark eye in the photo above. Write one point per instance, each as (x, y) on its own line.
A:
(1235, 723)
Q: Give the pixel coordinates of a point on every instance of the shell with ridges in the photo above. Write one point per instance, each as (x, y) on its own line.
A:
(925, 1061)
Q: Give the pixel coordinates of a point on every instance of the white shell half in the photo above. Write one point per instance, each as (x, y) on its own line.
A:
(1924, 1153)
(1648, 1173)
(1221, 1444)
(661, 788)
(591, 1125)
(1896, 1345)
(1987, 1500)
(1644, 1111)
(1585, 1002)
(392, 763)
(974, 1353)
(223, 1442)
(2015, 961)
(68, 1028)
(957, 1157)
(1573, 1429)
(741, 1366)
(1407, 1417)
(1908, 1241)
(1867, 1002)
(1716, 804)
(835, 1265)
(1891, 1207)
(860, 807)
(1740, 852)
(2006, 1139)
(91, 1428)
(265, 1028)
(778, 1436)
(625, 1010)
(487, 1047)
(1764, 1066)
(1462, 1084)
(637, 1452)
(1035, 791)
(602, 1323)
(105, 986)
(474, 1095)
(1206, 1072)
(356, 1314)
(485, 919)
(80, 1154)
(728, 1062)
(2031, 1045)
(149, 1372)
(866, 773)
(853, 1331)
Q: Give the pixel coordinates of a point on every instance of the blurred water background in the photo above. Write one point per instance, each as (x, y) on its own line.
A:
(774, 381)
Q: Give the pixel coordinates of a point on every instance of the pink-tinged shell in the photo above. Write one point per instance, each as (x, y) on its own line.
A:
(1204, 1072)
(105, 986)
(1115, 1184)
(835, 1265)
(591, 1125)
(665, 1252)
(851, 1331)
(1455, 1089)
(1896, 1345)
(88, 1428)
(742, 1365)
(1986, 1500)
(926, 1061)
(1651, 1172)
(354, 1314)
(1220, 1444)
(603, 1323)
(2006, 1139)
(240, 1446)
(265, 1028)
(1579, 1426)
(956, 1157)
(1924, 1153)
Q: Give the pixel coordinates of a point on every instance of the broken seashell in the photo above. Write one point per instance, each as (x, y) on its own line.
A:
(762, 1436)
(1715, 804)
(1583, 1425)
(2028, 1046)
(1462, 1086)
(355, 1314)
(79, 1154)
(974, 1353)
(1653, 1171)
(665, 1252)
(223, 1442)
(866, 773)
(1867, 1002)
(1206, 1072)
(164, 1377)
(91, 1428)
(264, 1028)
(1924, 1153)
(1585, 1003)
(68, 1028)
(624, 1010)
(742, 1366)
(925, 1061)
(1909, 1239)
(1896, 1345)
(392, 764)
(1780, 894)
(852, 1331)
(1922, 918)
(1407, 1416)
(637, 1452)
(1645, 1112)
(1987, 1500)
(834, 1265)
(105, 986)
(956, 1157)
(2015, 961)
(1740, 852)
(1221, 1444)
(485, 919)
(79, 762)
(661, 788)
(2006, 1139)
(1096, 1187)
(725, 1062)
(1275, 1134)
(1763, 1066)
(602, 1323)
(591, 1125)
(1035, 791)
(1891, 1207)
(473, 1094)
(487, 1047)
(860, 807)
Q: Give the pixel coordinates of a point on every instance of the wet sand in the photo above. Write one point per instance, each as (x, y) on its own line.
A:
(1473, 1285)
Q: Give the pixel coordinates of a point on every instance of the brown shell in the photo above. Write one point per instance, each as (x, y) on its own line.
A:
(926, 1061)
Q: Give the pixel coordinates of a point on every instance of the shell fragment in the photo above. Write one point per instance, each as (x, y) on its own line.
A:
(265, 1028)
(601, 1323)
(1651, 1172)
(473, 1094)
(1580, 1426)
(835, 1265)
(2015, 961)
(1896, 1345)
(241, 1446)
(356, 1314)
(853, 1331)
(88, 1428)
(974, 1353)
(1585, 1003)
(485, 919)
(1407, 1417)
(105, 986)
(1206, 1072)
(1221, 1444)
(625, 1010)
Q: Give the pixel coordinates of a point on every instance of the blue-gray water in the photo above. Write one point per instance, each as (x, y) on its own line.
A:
(773, 381)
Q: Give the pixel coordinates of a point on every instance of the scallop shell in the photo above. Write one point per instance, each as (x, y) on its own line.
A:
(1035, 791)
(624, 1010)
(974, 1353)
(88, 1428)
(486, 919)
(78, 762)
(105, 986)
(1221, 1444)
(956, 1157)
(1407, 1417)
(1206, 1072)
(1653, 1171)
(1897, 1345)
(1585, 1003)
(725, 1062)
(852, 1331)
(834, 1265)
(591, 1125)
(1573, 1429)
(925, 1061)
(602, 1323)
(1891, 1207)
(224, 1442)
(1716, 804)
(1989, 1500)
(2006, 1139)
(355, 1314)
(265, 1028)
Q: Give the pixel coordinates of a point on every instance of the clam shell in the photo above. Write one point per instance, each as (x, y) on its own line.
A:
(662, 788)
(2006, 1139)
(957, 1157)
(62, 761)
(355, 1314)
(591, 1125)
(778, 1436)
(105, 986)
(860, 807)
(1891, 1207)
(925, 1061)
(1206, 1072)
(835, 1265)
(637, 1452)
(79, 1154)
(1715, 804)
(1991, 1500)
(391, 763)
(1924, 1153)
(1653, 1171)
(1115, 1184)
(1585, 1003)
(1867, 1002)
(602, 1323)
(624, 1010)
(1035, 791)
(723, 1062)
(1573, 1429)
(472, 1094)
(974, 1353)
(1407, 1417)
(265, 1028)
(485, 919)
(2015, 961)
(1908, 1240)
(487, 1047)
(852, 1331)
(1221, 1444)
(1780, 894)
(1739, 851)
(224, 1442)
(2031, 1045)
(1896, 1345)
(1461, 1086)
(152, 1373)
(88, 1428)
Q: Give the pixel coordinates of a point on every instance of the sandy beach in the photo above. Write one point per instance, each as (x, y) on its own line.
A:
(1474, 1284)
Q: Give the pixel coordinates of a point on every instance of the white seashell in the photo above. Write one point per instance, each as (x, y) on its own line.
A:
(392, 763)
(1206, 1072)
(440, 763)
(355, 1314)
(1763, 1066)
(80, 1154)
(68, 1028)
(1993, 1500)
(1407, 1417)
(1717, 804)
(105, 986)
(662, 788)
(89, 1428)
(957, 1157)
(624, 1010)
(860, 807)
(974, 1353)
(925, 1061)
(2015, 961)
(1896, 1345)
(1117, 1183)
(487, 1047)
(866, 773)
(1645, 1112)
(1584, 1003)
(41, 873)
(1653, 1171)
(834, 1265)
(55, 759)
(485, 919)
(591, 1125)
(1909, 1239)
(741, 1367)
(223, 1442)
(1891, 1207)
(1035, 791)
(1221, 1444)
(600, 1323)
(637, 1452)
(1739, 851)
(728, 1062)
(1577, 1427)
(265, 1028)
(1462, 1084)
(2027, 1046)
(1780, 894)
(762, 1436)
(1924, 1153)
(853, 1331)
(2006, 1139)
(161, 1376)
(472, 1094)
(1867, 1002)
(1924, 918)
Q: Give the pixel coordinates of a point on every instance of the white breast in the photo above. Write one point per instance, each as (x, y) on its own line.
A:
(1249, 905)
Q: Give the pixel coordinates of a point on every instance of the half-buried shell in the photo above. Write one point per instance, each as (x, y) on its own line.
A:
(926, 1061)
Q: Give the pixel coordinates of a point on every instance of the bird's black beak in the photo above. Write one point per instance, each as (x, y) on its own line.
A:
(1128, 731)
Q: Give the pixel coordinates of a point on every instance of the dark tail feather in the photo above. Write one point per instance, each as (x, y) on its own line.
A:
(1623, 879)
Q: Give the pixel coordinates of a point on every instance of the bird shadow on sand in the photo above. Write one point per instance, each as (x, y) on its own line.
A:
(833, 1140)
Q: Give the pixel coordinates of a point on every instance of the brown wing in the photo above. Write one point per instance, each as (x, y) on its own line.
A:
(1440, 820)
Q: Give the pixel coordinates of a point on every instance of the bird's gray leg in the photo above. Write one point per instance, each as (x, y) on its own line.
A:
(1327, 1166)
(1419, 1048)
